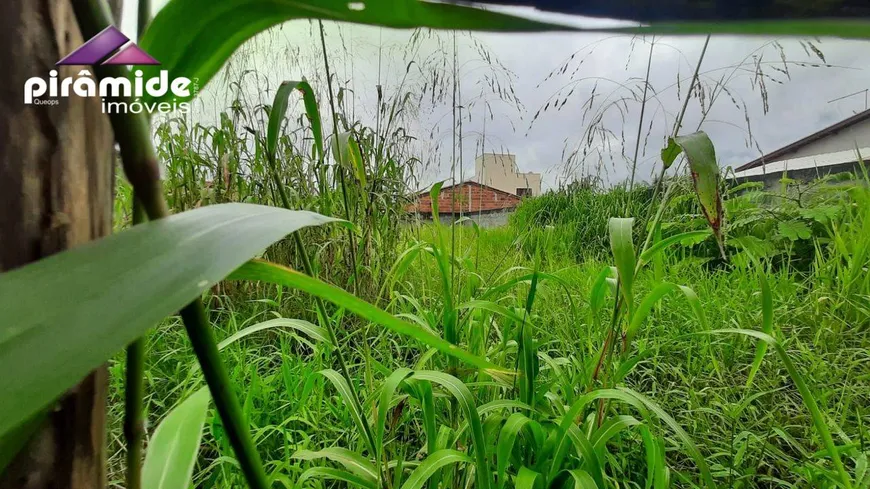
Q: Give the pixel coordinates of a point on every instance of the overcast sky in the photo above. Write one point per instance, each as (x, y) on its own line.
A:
(592, 131)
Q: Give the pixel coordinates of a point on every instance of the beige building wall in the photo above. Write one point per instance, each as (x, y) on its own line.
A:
(500, 171)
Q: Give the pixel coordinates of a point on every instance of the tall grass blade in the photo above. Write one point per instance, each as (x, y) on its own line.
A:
(766, 325)
(622, 246)
(350, 460)
(460, 391)
(337, 475)
(173, 449)
(431, 465)
(272, 273)
(807, 396)
(344, 390)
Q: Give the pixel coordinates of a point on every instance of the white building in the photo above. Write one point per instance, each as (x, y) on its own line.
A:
(834, 149)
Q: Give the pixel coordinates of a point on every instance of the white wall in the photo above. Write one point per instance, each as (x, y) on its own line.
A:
(847, 139)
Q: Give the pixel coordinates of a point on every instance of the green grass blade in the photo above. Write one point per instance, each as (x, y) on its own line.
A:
(645, 308)
(63, 316)
(666, 243)
(506, 439)
(386, 397)
(279, 109)
(643, 404)
(346, 151)
(432, 465)
(310, 330)
(597, 295)
(173, 449)
(528, 479)
(807, 396)
(622, 246)
(466, 402)
(350, 460)
(423, 391)
(272, 273)
(582, 479)
(610, 428)
(701, 156)
(337, 475)
(656, 470)
(587, 453)
(344, 390)
(276, 116)
(492, 307)
(766, 325)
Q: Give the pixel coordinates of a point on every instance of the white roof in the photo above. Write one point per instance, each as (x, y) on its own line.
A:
(802, 163)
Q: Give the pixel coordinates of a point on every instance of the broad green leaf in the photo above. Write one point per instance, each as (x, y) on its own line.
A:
(434, 195)
(656, 470)
(822, 214)
(610, 428)
(705, 175)
(277, 274)
(279, 109)
(505, 447)
(276, 116)
(582, 479)
(466, 401)
(173, 449)
(194, 38)
(431, 465)
(670, 153)
(346, 152)
(350, 460)
(597, 295)
(63, 316)
(384, 404)
(622, 245)
(528, 479)
(794, 230)
(336, 474)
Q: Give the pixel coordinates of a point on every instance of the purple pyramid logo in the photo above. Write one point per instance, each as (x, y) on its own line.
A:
(112, 44)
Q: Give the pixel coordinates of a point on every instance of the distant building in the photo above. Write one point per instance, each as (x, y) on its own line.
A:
(831, 150)
(500, 171)
(487, 198)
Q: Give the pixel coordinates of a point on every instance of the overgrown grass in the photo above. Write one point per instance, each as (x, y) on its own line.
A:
(618, 361)
(758, 435)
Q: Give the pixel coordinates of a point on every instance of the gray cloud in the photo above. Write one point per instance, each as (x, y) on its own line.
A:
(612, 66)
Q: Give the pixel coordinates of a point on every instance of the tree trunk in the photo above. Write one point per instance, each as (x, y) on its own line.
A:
(56, 181)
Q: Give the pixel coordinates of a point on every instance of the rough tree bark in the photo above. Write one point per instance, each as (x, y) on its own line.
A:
(56, 180)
